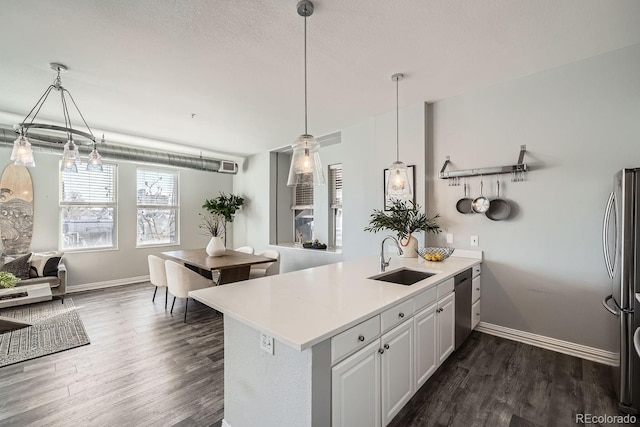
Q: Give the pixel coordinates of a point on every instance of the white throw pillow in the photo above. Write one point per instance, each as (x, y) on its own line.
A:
(45, 262)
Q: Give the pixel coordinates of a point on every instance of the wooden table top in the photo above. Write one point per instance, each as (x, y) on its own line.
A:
(230, 259)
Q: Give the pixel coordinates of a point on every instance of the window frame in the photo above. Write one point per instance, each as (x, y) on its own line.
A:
(175, 207)
(109, 205)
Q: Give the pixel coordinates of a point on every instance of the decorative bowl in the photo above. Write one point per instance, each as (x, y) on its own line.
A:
(444, 252)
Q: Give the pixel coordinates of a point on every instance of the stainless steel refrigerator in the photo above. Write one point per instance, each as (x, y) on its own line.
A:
(621, 244)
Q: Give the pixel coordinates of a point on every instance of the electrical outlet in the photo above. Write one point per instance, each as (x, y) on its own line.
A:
(449, 237)
(474, 240)
(266, 343)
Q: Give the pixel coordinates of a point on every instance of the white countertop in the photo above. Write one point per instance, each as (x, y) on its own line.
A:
(305, 307)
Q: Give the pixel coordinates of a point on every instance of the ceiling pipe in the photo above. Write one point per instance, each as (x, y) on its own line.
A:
(50, 144)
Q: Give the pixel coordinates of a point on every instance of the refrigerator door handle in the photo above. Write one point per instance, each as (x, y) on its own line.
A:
(605, 304)
(605, 235)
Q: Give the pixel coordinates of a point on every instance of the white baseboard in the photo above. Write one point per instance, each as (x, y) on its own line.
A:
(565, 347)
(106, 284)
(225, 423)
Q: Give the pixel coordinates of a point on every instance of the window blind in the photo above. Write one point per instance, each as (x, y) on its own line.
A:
(335, 186)
(89, 187)
(157, 187)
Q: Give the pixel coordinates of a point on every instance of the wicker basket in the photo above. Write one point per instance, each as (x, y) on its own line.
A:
(445, 252)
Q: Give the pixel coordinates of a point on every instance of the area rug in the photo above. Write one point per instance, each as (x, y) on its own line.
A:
(55, 327)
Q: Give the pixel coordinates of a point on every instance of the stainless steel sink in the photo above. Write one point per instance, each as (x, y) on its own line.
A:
(403, 276)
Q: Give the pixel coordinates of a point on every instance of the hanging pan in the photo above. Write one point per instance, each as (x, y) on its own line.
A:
(480, 204)
(464, 205)
(499, 209)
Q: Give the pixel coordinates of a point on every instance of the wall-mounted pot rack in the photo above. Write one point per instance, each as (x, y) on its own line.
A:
(518, 170)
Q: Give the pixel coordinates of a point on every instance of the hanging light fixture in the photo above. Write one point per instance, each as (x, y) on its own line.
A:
(398, 185)
(306, 167)
(22, 155)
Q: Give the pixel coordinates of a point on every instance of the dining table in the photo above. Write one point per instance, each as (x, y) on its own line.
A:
(233, 266)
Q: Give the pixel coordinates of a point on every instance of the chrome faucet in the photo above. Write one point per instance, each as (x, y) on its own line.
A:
(384, 264)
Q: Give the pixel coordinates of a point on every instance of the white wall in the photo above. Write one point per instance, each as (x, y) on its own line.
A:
(543, 270)
(126, 262)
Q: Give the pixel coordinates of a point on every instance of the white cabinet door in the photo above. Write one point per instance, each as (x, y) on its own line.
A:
(446, 321)
(475, 289)
(424, 325)
(355, 389)
(397, 370)
(475, 314)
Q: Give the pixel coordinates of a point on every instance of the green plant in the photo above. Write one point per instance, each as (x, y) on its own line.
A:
(403, 218)
(212, 224)
(224, 205)
(8, 280)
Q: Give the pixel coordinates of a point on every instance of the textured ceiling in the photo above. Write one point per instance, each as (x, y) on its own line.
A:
(141, 68)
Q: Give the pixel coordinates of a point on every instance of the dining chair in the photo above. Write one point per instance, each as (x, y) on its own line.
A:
(266, 268)
(181, 280)
(158, 277)
(245, 249)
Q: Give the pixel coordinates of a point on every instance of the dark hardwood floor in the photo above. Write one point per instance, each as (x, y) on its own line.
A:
(145, 367)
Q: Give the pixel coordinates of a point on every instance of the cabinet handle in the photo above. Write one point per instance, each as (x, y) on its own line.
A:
(401, 315)
(380, 350)
(386, 346)
(361, 338)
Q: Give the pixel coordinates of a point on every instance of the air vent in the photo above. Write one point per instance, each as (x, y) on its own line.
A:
(228, 167)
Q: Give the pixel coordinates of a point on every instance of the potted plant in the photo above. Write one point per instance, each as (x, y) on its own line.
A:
(404, 218)
(213, 226)
(8, 280)
(224, 206)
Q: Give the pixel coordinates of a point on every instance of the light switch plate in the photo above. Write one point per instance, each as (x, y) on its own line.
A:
(474, 240)
(449, 237)
(266, 343)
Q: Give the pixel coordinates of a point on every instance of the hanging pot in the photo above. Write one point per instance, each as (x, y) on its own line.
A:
(480, 204)
(215, 247)
(499, 209)
(464, 205)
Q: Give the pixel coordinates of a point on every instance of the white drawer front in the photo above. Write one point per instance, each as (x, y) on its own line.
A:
(396, 315)
(477, 269)
(425, 298)
(352, 339)
(445, 288)
(475, 314)
(476, 289)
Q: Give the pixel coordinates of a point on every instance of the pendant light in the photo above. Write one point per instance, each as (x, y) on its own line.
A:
(22, 154)
(398, 185)
(306, 167)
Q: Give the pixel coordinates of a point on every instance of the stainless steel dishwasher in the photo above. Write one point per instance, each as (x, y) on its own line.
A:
(462, 285)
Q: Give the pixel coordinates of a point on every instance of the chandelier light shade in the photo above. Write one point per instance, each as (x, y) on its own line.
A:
(22, 154)
(306, 167)
(398, 184)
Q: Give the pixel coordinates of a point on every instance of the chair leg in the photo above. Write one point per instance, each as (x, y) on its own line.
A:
(154, 294)
(166, 297)
(174, 303)
(186, 305)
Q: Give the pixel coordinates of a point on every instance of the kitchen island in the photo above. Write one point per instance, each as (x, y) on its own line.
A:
(311, 316)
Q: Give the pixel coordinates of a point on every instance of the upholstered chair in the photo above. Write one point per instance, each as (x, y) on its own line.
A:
(245, 249)
(181, 280)
(158, 276)
(266, 268)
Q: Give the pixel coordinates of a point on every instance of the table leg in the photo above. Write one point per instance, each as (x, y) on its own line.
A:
(229, 275)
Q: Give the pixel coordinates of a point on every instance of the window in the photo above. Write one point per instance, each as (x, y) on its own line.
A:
(88, 204)
(303, 211)
(157, 207)
(335, 205)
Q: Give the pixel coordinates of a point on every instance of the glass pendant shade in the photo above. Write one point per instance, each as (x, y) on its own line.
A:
(398, 185)
(22, 154)
(70, 157)
(306, 167)
(95, 161)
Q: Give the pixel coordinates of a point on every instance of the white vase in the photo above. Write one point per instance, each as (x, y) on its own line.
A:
(215, 247)
(409, 247)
